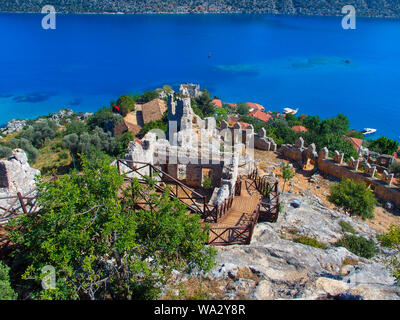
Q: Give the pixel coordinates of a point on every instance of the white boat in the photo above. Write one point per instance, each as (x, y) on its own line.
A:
(290, 111)
(368, 131)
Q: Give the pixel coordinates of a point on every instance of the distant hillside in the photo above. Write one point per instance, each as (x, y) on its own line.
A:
(368, 8)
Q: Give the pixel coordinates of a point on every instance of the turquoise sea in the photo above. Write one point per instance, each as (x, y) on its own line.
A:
(277, 61)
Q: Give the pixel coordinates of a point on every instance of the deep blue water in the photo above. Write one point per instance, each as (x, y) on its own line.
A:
(277, 61)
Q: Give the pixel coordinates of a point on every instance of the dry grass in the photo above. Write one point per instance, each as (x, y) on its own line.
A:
(53, 158)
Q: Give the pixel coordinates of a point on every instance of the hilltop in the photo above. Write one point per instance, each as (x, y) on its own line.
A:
(366, 8)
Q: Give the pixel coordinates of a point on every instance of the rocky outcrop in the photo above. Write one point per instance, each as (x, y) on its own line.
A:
(13, 126)
(16, 175)
(289, 270)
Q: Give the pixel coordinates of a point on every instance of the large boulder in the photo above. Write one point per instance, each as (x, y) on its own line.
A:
(16, 175)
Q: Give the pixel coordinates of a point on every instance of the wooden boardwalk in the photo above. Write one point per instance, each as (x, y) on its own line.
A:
(242, 208)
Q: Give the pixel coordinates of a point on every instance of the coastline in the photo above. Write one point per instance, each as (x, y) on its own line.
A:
(394, 17)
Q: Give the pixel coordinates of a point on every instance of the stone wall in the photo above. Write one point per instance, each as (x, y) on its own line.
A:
(337, 167)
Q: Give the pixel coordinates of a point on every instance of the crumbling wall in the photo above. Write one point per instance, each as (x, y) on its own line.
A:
(338, 168)
(16, 175)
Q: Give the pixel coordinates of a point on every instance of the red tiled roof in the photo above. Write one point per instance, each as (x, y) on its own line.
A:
(260, 115)
(255, 106)
(217, 102)
(357, 143)
(299, 129)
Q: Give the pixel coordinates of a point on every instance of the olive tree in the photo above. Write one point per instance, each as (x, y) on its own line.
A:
(107, 239)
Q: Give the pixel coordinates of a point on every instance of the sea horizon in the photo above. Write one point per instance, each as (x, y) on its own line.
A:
(276, 60)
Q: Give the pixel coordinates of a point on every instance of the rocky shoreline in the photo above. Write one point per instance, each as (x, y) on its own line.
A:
(364, 8)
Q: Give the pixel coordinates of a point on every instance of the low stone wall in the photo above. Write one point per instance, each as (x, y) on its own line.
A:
(338, 168)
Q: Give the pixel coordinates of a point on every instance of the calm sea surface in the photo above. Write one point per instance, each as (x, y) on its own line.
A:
(297, 62)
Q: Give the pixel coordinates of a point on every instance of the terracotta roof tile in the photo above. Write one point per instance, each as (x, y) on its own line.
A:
(153, 110)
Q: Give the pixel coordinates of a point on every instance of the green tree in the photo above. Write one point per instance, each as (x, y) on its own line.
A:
(288, 174)
(105, 119)
(6, 291)
(383, 145)
(77, 127)
(354, 197)
(102, 242)
(148, 96)
(126, 104)
(40, 132)
(204, 104)
(243, 109)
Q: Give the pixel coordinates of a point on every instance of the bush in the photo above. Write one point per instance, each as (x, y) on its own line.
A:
(354, 197)
(126, 104)
(5, 152)
(104, 119)
(383, 145)
(310, 242)
(347, 227)
(207, 183)
(40, 132)
(77, 127)
(358, 245)
(27, 146)
(6, 292)
(395, 168)
(243, 109)
(392, 240)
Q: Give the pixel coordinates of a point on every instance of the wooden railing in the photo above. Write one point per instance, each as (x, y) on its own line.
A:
(222, 236)
(193, 200)
(19, 204)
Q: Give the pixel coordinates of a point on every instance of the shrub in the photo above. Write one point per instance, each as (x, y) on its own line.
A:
(104, 119)
(5, 152)
(346, 227)
(77, 127)
(358, 245)
(392, 240)
(354, 197)
(383, 145)
(41, 131)
(148, 96)
(27, 146)
(310, 242)
(6, 292)
(395, 168)
(243, 109)
(207, 183)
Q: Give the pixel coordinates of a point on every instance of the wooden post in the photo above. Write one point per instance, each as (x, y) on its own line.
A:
(119, 170)
(21, 200)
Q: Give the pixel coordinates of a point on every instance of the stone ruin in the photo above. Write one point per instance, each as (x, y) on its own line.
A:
(190, 90)
(337, 167)
(196, 149)
(16, 175)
